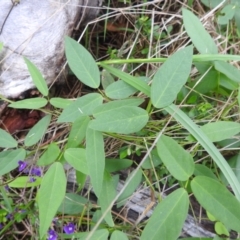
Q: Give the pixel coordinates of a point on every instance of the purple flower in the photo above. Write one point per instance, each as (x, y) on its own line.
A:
(21, 165)
(69, 229)
(36, 171)
(1, 226)
(52, 235)
(6, 187)
(9, 216)
(32, 179)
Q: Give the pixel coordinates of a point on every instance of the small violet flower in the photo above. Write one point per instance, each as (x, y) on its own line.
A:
(69, 229)
(36, 171)
(21, 165)
(1, 226)
(32, 179)
(9, 216)
(52, 235)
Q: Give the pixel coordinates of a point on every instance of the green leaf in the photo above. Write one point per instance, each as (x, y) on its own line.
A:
(218, 131)
(105, 108)
(82, 63)
(220, 229)
(171, 77)
(199, 36)
(37, 77)
(24, 182)
(173, 209)
(119, 90)
(76, 157)
(50, 155)
(177, 160)
(9, 160)
(198, 134)
(117, 235)
(83, 106)
(95, 159)
(113, 165)
(73, 204)
(101, 234)
(226, 14)
(133, 81)
(153, 160)
(31, 103)
(37, 131)
(6, 140)
(50, 195)
(124, 120)
(60, 102)
(1, 46)
(227, 69)
(226, 82)
(217, 200)
(78, 131)
(202, 170)
(107, 195)
(106, 79)
(131, 187)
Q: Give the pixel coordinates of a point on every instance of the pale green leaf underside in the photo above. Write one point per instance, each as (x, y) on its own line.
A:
(37, 77)
(199, 36)
(177, 160)
(218, 131)
(32, 103)
(37, 131)
(217, 200)
(173, 209)
(95, 158)
(50, 195)
(82, 63)
(170, 78)
(6, 140)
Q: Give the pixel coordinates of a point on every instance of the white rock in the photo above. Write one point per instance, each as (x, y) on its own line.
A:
(36, 29)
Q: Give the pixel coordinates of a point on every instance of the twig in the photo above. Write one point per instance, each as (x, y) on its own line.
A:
(14, 3)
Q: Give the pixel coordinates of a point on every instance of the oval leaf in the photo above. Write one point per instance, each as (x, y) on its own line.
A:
(50, 155)
(228, 70)
(24, 182)
(107, 195)
(78, 131)
(119, 90)
(50, 195)
(31, 103)
(37, 132)
(60, 102)
(9, 160)
(116, 235)
(171, 77)
(131, 187)
(218, 131)
(6, 140)
(217, 200)
(82, 63)
(177, 160)
(73, 204)
(83, 106)
(95, 159)
(199, 36)
(76, 157)
(37, 77)
(124, 120)
(173, 209)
